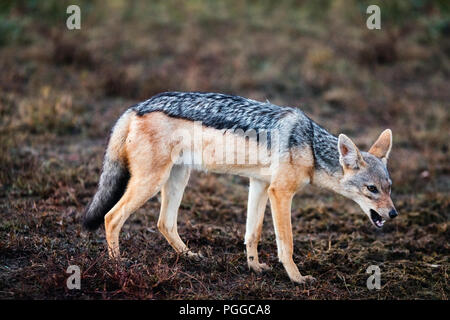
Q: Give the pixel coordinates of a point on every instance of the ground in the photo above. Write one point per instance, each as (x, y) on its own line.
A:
(61, 91)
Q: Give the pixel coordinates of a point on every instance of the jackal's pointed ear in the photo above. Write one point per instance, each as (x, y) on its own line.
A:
(349, 155)
(382, 147)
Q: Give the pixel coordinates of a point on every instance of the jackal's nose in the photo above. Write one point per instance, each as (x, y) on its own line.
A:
(393, 213)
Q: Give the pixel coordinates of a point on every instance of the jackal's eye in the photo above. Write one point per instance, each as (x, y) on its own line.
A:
(372, 189)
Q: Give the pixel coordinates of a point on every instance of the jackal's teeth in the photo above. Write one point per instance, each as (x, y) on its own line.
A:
(380, 223)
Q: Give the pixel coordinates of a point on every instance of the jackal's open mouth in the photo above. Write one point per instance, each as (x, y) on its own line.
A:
(377, 220)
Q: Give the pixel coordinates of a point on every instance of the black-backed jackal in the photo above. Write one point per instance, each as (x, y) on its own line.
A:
(155, 144)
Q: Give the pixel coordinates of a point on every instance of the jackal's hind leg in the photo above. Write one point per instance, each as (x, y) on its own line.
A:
(148, 174)
(257, 200)
(136, 194)
(171, 195)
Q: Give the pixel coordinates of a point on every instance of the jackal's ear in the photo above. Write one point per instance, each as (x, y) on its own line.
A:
(349, 155)
(382, 147)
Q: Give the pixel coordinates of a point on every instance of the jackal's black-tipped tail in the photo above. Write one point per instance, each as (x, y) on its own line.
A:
(114, 178)
(112, 185)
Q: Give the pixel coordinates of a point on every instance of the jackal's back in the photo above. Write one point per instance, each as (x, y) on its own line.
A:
(216, 110)
(221, 111)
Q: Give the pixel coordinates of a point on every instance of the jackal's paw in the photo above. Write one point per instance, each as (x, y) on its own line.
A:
(258, 267)
(113, 254)
(196, 256)
(304, 279)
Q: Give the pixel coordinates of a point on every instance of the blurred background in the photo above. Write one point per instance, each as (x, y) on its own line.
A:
(61, 91)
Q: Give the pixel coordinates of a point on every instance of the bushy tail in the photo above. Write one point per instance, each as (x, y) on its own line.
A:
(114, 178)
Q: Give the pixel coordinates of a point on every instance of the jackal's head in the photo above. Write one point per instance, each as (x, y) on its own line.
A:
(366, 178)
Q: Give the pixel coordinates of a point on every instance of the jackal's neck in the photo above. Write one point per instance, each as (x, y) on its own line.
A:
(328, 170)
(325, 146)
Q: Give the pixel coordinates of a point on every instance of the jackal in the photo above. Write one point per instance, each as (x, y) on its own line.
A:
(155, 144)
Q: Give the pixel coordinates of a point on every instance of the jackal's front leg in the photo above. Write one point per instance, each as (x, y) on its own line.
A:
(257, 200)
(280, 201)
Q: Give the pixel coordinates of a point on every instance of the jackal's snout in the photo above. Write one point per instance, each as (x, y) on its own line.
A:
(393, 213)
